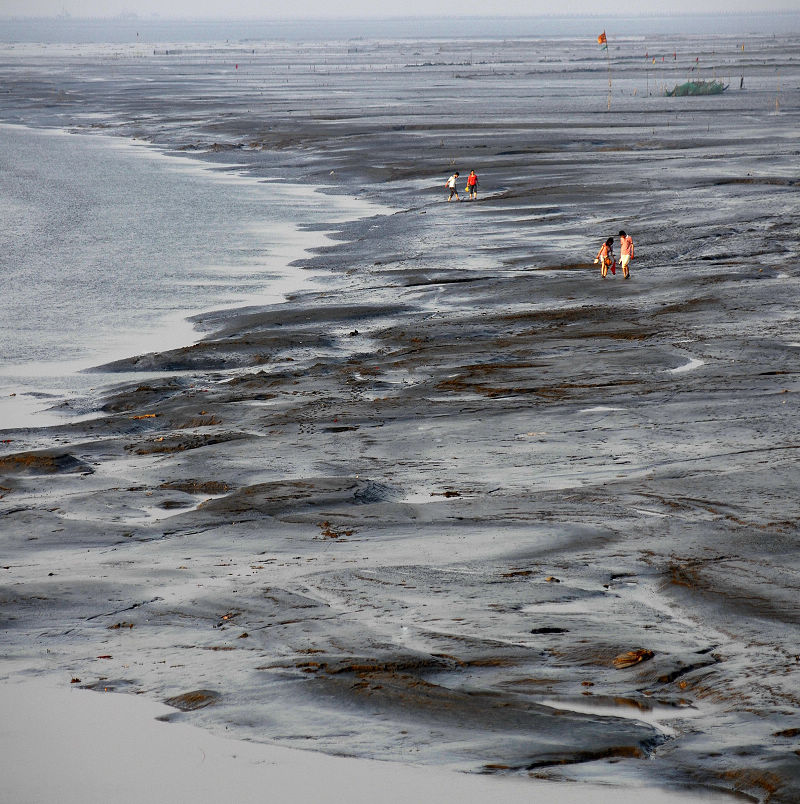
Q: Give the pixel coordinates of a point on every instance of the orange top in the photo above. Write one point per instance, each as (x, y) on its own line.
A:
(626, 246)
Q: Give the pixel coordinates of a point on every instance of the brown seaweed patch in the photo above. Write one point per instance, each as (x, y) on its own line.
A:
(750, 780)
(633, 657)
(328, 532)
(199, 421)
(197, 486)
(620, 751)
(43, 463)
(787, 733)
(550, 392)
(196, 699)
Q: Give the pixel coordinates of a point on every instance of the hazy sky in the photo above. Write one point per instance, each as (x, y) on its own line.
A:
(378, 8)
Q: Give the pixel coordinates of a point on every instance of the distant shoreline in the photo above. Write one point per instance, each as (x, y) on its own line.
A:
(127, 29)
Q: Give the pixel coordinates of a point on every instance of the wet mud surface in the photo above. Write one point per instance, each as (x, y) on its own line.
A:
(462, 502)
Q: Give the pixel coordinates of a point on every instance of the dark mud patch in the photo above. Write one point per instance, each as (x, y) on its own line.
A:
(108, 685)
(170, 444)
(297, 496)
(127, 399)
(252, 322)
(500, 726)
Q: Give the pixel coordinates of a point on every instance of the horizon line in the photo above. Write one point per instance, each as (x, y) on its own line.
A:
(154, 17)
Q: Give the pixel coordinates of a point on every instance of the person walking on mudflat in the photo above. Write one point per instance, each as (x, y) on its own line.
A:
(606, 258)
(472, 185)
(625, 253)
(451, 185)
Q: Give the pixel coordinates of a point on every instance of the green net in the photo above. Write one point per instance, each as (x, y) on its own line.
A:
(698, 88)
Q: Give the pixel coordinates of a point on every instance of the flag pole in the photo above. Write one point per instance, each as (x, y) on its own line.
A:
(602, 40)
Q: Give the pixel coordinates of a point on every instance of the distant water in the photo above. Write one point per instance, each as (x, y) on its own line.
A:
(133, 29)
(106, 247)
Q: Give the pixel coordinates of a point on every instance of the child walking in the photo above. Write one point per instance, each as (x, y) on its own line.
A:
(606, 258)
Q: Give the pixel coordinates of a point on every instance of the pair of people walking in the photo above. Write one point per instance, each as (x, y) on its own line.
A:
(606, 255)
(471, 188)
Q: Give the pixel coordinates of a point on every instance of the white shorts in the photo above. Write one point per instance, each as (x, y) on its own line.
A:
(624, 260)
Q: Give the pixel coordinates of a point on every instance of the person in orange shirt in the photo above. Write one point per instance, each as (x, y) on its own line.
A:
(606, 258)
(472, 185)
(625, 253)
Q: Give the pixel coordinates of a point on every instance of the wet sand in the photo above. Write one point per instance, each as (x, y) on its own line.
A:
(73, 746)
(462, 502)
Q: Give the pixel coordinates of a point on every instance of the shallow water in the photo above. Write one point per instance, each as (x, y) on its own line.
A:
(107, 247)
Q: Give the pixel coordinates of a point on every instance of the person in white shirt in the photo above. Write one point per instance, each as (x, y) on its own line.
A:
(451, 185)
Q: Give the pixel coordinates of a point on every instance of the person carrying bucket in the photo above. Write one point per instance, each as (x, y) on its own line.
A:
(472, 185)
(606, 258)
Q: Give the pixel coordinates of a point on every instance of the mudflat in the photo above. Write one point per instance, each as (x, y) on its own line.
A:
(462, 502)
